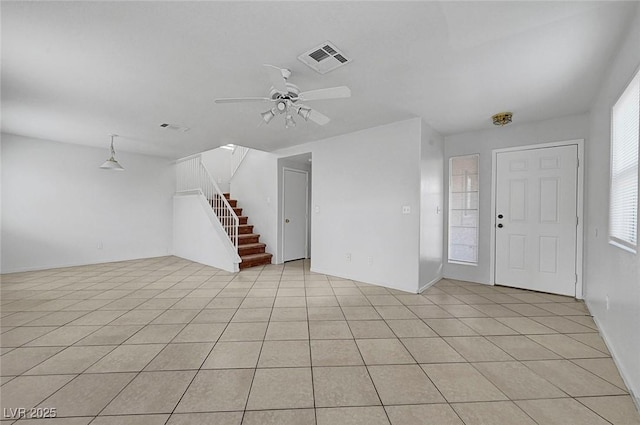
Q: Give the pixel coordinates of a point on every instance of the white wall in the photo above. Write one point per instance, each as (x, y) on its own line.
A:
(431, 203)
(199, 236)
(609, 271)
(58, 206)
(218, 163)
(483, 142)
(255, 187)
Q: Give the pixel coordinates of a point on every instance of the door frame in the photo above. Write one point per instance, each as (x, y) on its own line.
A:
(579, 206)
(306, 218)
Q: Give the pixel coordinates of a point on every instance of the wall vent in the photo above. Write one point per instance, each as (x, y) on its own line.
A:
(174, 127)
(324, 58)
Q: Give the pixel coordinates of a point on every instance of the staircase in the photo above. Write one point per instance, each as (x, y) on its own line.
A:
(250, 249)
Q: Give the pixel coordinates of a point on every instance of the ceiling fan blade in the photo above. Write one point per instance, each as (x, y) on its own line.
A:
(277, 80)
(243, 99)
(318, 118)
(330, 93)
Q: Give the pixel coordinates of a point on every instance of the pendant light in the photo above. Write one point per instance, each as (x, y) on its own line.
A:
(111, 163)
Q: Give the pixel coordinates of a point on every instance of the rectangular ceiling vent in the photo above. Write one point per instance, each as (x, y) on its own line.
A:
(324, 58)
(174, 127)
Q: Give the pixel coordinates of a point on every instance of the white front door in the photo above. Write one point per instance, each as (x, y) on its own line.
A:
(295, 214)
(536, 219)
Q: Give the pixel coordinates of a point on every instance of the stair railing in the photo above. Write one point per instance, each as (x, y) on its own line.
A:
(191, 174)
(238, 154)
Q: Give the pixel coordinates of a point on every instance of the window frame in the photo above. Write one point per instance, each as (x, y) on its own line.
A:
(626, 245)
(450, 210)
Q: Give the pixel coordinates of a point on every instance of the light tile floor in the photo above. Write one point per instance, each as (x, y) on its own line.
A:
(169, 341)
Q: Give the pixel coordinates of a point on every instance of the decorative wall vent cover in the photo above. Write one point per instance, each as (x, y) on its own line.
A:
(324, 58)
(174, 127)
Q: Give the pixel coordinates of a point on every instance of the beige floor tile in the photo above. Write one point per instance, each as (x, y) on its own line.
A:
(567, 347)
(110, 335)
(430, 312)
(130, 420)
(288, 314)
(218, 418)
(584, 320)
(370, 329)
(393, 312)
(403, 384)
(423, 414)
(462, 310)
(287, 331)
(252, 315)
(477, 349)
(155, 334)
(527, 310)
(495, 310)
(285, 354)
(341, 352)
(233, 355)
(200, 332)
(488, 326)
(619, 410)
(450, 327)
(183, 356)
(214, 315)
(384, 351)
(361, 313)
(57, 421)
(572, 379)
(525, 325)
(334, 329)
(71, 360)
(343, 386)
(151, 392)
(522, 348)
(286, 388)
(65, 335)
(60, 318)
(244, 332)
(460, 382)
(99, 317)
(410, 328)
(280, 417)
(20, 360)
(443, 299)
(604, 368)
(562, 325)
(127, 358)
(352, 416)
(322, 301)
(217, 390)
(560, 411)
(492, 413)
(88, 394)
(412, 300)
(517, 381)
(593, 340)
(290, 302)
(431, 350)
(29, 391)
(325, 313)
(175, 316)
(137, 317)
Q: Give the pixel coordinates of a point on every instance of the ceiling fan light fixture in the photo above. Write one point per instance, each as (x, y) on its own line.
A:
(111, 163)
(502, 118)
(304, 112)
(289, 122)
(268, 116)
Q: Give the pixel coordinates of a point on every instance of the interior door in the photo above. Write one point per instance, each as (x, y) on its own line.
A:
(295, 214)
(536, 219)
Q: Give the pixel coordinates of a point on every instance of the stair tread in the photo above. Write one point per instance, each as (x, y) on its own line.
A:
(255, 256)
(248, 235)
(254, 245)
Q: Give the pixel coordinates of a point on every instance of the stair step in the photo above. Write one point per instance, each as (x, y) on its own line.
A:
(221, 211)
(227, 195)
(243, 219)
(251, 248)
(255, 260)
(245, 229)
(248, 238)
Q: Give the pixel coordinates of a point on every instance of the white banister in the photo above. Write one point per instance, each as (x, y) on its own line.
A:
(238, 154)
(191, 174)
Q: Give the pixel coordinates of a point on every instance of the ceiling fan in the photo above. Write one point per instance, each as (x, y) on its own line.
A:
(286, 98)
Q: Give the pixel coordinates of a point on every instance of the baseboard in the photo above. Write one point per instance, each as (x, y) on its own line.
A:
(422, 288)
(80, 264)
(614, 356)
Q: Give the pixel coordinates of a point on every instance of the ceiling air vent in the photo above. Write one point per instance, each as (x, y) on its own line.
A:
(324, 58)
(174, 127)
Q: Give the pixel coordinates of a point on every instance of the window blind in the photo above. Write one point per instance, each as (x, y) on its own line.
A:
(623, 205)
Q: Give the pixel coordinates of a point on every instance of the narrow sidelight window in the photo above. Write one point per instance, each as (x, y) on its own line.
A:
(463, 209)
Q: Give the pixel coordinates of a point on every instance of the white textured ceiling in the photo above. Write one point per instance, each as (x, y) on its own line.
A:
(77, 71)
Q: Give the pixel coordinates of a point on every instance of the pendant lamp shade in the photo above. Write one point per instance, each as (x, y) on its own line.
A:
(111, 163)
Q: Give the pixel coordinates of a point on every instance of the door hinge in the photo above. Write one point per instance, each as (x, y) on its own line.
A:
(577, 220)
(576, 278)
(578, 159)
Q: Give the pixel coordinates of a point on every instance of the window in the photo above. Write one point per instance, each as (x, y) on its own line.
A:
(463, 209)
(623, 204)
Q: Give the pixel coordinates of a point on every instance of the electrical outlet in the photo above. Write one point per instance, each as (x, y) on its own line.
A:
(370, 260)
(406, 209)
(348, 257)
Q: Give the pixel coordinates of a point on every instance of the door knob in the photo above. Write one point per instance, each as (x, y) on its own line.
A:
(286, 220)
(500, 216)
(500, 226)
